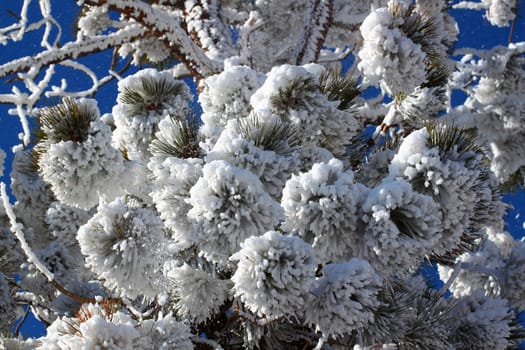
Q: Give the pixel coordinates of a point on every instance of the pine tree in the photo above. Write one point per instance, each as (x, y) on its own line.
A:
(286, 196)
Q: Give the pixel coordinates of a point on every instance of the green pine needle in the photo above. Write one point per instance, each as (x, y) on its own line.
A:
(451, 140)
(67, 121)
(296, 95)
(422, 29)
(6, 261)
(455, 144)
(338, 88)
(277, 136)
(121, 228)
(363, 147)
(469, 242)
(437, 75)
(407, 226)
(151, 96)
(182, 142)
(29, 166)
(123, 225)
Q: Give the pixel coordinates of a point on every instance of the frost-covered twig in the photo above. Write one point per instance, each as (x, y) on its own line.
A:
(333, 56)
(319, 17)
(497, 12)
(453, 276)
(469, 5)
(482, 269)
(167, 27)
(21, 322)
(96, 82)
(206, 28)
(72, 50)
(138, 314)
(16, 31)
(321, 342)
(19, 234)
(253, 23)
(29, 68)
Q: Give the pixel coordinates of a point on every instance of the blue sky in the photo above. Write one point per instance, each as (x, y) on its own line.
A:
(474, 32)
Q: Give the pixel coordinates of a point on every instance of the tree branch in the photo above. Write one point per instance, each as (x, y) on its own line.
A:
(167, 27)
(205, 26)
(512, 29)
(253, 23)
(72, 50)
(319, 18)
(19, 325)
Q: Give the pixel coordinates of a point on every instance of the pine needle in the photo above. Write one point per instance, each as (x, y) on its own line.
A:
(277, 136)
(422, 29)
(338, 88)
(437, 75)
(182, 142)
(517, 331)
(67, 121)
(151, 95)
(296, 95)
(451, 141)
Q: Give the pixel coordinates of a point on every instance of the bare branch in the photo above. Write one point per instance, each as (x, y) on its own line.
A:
(512, 29)
(24, 317)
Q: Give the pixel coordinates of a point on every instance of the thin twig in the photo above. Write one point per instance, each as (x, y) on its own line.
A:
(113, 76)
(114, 58)
(12, 13)
(321, 342)
(470, 267)
(319, 19)
(72, 50)
(19, 325)
(512, 28)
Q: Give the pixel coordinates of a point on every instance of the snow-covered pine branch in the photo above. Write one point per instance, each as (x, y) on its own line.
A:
(290, 204)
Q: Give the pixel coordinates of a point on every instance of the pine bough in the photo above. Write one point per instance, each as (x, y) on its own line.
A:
(296, 210)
